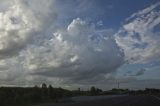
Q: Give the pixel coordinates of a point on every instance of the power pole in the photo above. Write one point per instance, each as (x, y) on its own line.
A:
(118, 85)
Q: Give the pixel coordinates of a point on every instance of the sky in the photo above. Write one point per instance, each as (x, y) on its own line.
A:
(80, 43)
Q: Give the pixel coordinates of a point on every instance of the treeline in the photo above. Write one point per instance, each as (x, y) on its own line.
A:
(19, 95)
(93, 91)
(14, 96)
(28, 95)
(147, 91)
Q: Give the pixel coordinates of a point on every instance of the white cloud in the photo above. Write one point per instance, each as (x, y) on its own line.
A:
(72, 54)
(138, 37)
(21, 21)
(34, 50)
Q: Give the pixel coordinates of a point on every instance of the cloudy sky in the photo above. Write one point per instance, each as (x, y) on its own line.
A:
(80, 43)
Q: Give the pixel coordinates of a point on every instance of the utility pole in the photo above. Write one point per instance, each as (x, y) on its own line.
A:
(118, 85)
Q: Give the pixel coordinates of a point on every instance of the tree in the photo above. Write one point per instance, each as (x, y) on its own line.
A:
(44, 86)
(44, 90)
(93, 90)
(50, 92)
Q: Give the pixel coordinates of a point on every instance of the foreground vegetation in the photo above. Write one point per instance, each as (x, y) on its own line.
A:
(29, 95)
(21, 96)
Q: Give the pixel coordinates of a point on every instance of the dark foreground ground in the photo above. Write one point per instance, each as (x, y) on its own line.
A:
(116, 101)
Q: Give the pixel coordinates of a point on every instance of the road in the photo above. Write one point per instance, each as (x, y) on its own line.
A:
(117, 101)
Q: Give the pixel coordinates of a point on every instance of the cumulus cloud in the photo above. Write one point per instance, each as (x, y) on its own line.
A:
(21, 21)
(78, 53)
(139, 38)
(34, 50)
